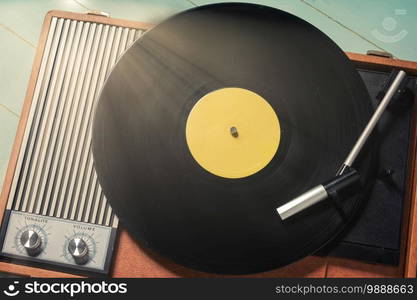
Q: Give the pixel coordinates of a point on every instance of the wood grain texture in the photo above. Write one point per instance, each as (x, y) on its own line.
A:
(342, 267)
(31, 271)
(131, 260)
(409, 230)
(382, 63)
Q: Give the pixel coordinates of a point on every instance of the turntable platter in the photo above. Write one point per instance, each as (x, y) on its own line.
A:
(216, 117)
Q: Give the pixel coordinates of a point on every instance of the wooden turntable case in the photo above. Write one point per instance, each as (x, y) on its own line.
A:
(131, 260)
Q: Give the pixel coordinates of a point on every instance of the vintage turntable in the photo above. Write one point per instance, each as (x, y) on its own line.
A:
(201, 212)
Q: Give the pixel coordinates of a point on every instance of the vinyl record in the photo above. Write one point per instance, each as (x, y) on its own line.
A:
(216, 117)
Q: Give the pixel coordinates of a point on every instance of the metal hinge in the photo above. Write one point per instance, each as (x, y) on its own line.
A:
(98, 13)
(379, 53)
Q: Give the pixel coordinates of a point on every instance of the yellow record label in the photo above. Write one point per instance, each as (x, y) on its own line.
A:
(233, 132)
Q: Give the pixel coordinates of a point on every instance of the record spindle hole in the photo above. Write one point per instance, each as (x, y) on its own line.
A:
(234, 132)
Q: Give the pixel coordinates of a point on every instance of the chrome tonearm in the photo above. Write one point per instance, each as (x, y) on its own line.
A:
(345, 176)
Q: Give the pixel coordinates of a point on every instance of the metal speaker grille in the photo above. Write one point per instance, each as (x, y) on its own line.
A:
(55, 173)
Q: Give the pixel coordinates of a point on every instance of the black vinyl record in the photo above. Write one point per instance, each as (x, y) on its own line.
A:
(175, 207)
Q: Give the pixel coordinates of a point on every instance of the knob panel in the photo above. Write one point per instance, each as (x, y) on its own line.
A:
(47, 239)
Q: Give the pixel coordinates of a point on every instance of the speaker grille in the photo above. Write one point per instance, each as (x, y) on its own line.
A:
(55, 173)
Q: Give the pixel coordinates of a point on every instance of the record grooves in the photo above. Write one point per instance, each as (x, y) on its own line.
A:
(174, 205)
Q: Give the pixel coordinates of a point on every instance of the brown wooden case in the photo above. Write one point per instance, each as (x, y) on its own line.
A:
(131, 260)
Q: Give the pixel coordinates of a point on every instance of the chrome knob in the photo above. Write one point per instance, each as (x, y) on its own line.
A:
(78, 248)
(32, 242)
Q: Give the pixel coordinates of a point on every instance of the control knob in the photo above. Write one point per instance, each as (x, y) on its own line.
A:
(78, 248)
(32, 242)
